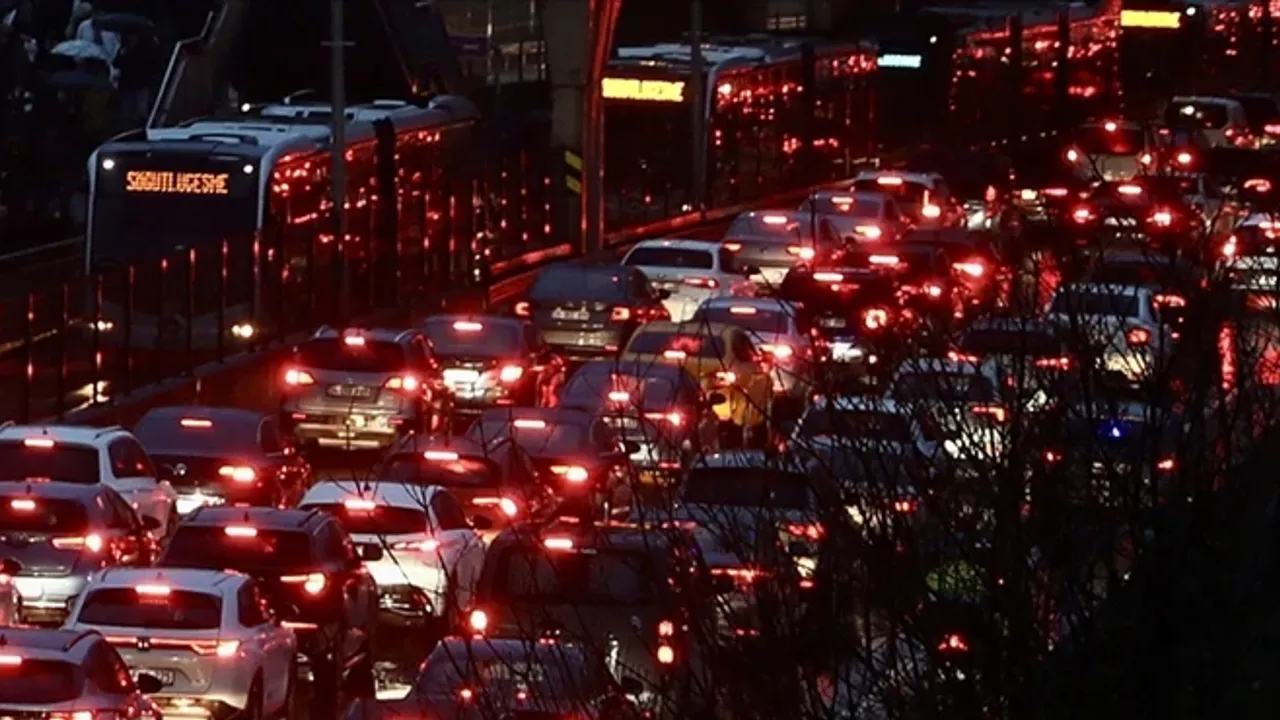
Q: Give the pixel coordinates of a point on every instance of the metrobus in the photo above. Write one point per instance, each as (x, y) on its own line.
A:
(758, 121)
(239, 209)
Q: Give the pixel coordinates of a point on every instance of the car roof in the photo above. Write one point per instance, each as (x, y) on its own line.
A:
(219, 415)
(710, 246)
(47, 643)
(211, 581)
(69, 434)
(411, 496)
(267, 518)
(54, 490)
(391, 335)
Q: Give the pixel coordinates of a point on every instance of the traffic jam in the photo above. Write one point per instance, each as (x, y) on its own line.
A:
(629, 489)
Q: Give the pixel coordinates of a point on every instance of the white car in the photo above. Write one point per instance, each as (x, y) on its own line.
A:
(89, 455)
(962, 401)
(1251, 255)
(209, 636)
(870, 217)
(690, 271)
(1222, 119)
(52, 674)
(877, 423)
(1122, 322)
(772, 326)
(431, 555)
(924, 197)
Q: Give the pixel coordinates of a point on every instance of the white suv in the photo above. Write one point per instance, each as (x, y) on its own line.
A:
(208, 636)
(431, 556)
(69, 674)
(1121, 322)
(689, 271)
(87, 456)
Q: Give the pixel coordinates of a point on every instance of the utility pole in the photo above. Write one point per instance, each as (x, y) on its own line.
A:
(697, 92)
(338, 174)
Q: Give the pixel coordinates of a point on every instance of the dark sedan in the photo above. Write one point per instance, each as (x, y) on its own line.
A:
(491, 361)
(220, 455)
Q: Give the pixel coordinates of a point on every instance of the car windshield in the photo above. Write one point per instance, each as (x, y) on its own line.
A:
(66, 463)
(1209, 116)
(906, 193)
(40, 682)
(843, 205)
(747, 487)
(751, 225)
(676, 344)
(1079, 302)
(198, 435)
(863, 424)
(33, 514)
(370, 356)
(250, 550)
(943, 387)
(1101, 141)
(546, 675)
(379, 520)
(574, 282)
(1027, 342)
(756, 319)
(601, 387)
(671, 257)
(159, 608)
(606, 577)
(464, 472)
(467, 338)
(537, 437)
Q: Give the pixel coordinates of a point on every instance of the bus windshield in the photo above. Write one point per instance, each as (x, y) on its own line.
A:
(145, 204)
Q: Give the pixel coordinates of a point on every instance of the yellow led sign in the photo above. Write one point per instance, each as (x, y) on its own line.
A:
(645, 90)
(1160, 19)
(177, 183)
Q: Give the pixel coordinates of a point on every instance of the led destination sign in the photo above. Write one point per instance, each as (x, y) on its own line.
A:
(671, 91)
(163, 182)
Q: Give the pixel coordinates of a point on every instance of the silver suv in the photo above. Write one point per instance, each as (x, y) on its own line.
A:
(362, 388)
(71, 674)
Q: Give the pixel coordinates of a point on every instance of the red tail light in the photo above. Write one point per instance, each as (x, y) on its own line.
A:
(972, 268)
(571, 473)
(702, 282)
(1130, 190)
(91, 543)
(407, 383)
(810, 531)
(298, 378)
(778, 352)
(478, 620)
(955, 356)
(674, 419)
(995, 412)
(875, 318)
(1051, 456)
(510, 374)
(1054, 363)
(1162, 218)
(619, 313)
(1166, 464)
(732, 246)
(953, 643)
(1170, 300)
(522, 309)
(1146, 159)
(1082, 215)
(1138, 336)
(905, 506)
(1184, 158)
(931, 212)
(1229, 247)
(1271, 129)
(1056, 192)
(238, 473)
(724, 378)
(802, 252)
(312, 583)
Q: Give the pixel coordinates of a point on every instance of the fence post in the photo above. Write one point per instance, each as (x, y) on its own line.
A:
(222, 300)
(63, 321)
(96, 379)
(130, 277)
(190, 309)
(28, 338)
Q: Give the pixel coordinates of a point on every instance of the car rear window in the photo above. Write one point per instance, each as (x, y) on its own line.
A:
(747, 487)
(580, 283)
(1010, 342)
(659, 343)
(671, 257)
(336, 354)
(30, 514)
(570, 577)
(759, 226)
(461, 473)
(380, 520)
(748, 317)
(1094, 303)
(197, 435)
(1100, 141)
(174, 610)
(65, 463)
(40, 682)
(548, 439)
(254, 551)
(862, 424)
(1209, 116)
(465, 338)
(593, 389)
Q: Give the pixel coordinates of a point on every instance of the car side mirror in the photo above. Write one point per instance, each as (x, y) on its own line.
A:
(716, 398)
(369, 552)
(150, 523)
(149, 684)
(10, 567)
(481, 523)
(630, 686)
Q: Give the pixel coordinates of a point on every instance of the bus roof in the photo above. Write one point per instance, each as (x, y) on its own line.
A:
(748, 50)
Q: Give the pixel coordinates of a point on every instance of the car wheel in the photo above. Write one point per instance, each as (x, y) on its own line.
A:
(253, 708)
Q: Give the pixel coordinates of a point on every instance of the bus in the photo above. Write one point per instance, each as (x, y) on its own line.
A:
(217, 218)
(759, 118)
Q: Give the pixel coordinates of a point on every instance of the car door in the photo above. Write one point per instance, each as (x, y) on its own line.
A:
(269, 639)
(133, 476)
(461, 546)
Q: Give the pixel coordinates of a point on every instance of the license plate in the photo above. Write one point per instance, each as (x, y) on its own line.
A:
(621, 422)
(461, 376)
(773, 276)
(350, 391)
(832, 322)
(166, 677)
(578, 315)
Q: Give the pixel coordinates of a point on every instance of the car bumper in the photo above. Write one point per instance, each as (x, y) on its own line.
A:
(584, 344)
(196, 706)
(46, 599)
(354, 430)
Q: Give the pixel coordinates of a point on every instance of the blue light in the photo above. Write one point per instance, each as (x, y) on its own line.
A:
(1115, 431)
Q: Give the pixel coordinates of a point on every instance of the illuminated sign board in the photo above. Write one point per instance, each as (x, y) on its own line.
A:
(896, 60)
(671, 91)
(1159, 19)
(163, 182)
